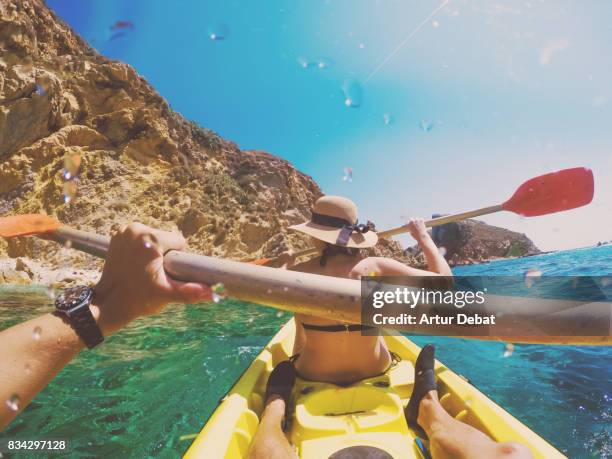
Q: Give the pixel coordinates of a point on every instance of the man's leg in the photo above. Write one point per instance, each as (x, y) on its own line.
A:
(449, 438)
(269, 441)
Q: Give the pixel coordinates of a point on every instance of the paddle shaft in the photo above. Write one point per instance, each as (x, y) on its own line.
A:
(429, 223)
(288, 290)
(444, 220)
(340, 299)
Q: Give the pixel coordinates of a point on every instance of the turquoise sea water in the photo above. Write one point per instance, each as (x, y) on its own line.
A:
(162, 377)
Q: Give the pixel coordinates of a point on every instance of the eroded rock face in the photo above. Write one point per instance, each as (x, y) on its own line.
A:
(140, 160)
(473, 241)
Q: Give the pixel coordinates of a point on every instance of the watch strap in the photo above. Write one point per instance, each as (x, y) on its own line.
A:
(72, 305)
(86, 327)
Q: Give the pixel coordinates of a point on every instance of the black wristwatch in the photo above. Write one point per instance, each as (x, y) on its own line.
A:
(72, 304)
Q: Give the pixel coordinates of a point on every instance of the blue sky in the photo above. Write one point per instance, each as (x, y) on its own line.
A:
(510, 89)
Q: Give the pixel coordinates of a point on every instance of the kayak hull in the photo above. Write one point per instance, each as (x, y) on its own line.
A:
(369, 414)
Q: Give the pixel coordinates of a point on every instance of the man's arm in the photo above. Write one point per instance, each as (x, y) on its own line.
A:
(31, 354)
(133, 284)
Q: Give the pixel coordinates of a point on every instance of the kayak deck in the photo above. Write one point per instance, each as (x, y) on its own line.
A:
(328, 418)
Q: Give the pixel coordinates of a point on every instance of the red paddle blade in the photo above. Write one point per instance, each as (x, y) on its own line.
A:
(27, 225)
(554, 192)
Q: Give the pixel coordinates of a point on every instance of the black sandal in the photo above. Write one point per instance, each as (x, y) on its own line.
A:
(281, 381)
(424, 382)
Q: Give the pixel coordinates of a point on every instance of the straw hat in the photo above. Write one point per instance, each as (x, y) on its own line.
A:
(334, 220)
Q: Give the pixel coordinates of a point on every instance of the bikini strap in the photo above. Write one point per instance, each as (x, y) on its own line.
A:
(338, 328)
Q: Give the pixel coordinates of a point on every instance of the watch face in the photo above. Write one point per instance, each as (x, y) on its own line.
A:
(73, 297)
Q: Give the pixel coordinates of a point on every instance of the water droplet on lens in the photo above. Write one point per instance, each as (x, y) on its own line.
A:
(353, 93)
(13, 402)
(218, 32)
(147, 242)
(426, 125)
(36, 333)
(50, 291)
(218, 292)
(72, 165)
(435, 24)
(70, 190)
(348, 174)
(304, 63)
(530, 277)
(388, 119)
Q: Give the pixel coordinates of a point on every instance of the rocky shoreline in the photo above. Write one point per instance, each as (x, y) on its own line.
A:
(88, 141)
(25, 271)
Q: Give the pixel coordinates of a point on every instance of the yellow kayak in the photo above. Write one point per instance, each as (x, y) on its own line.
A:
(329, 418)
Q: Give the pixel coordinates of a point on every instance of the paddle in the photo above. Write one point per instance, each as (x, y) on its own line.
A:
(546, 194)
(27, 225)
(340, 299)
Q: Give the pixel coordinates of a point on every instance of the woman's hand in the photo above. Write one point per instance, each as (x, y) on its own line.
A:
(134, 282)
(417, 229)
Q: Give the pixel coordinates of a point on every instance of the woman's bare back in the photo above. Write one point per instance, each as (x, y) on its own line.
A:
(343, 356)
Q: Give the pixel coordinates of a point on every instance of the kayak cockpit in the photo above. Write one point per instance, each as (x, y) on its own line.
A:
(328, 418)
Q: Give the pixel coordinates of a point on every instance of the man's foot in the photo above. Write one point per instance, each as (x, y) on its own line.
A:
(281, 381)
(424, 382)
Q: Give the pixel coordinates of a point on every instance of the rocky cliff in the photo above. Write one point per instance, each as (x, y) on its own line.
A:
(62, 103)
(473, 241)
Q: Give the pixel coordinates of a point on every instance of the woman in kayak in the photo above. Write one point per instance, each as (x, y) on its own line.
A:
(326, 350)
